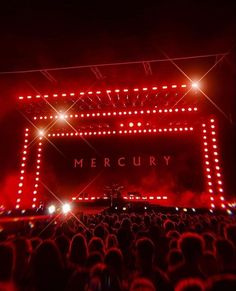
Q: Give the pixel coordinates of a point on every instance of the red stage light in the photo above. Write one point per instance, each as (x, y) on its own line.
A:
(164, 87)
(154, 88)
(131, 124)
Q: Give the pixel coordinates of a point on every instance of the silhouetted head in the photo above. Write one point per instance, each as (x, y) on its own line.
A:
(145, 250)
(47, 267)
(114, 261)
(142, 284)
(78, 252)
(111, 241)
(192, 246)
(63, 244)
(190, 284)
(102, 279)
(96, 245)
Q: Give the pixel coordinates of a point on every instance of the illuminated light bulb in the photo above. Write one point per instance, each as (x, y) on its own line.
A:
(66, 208)
(41, 132)
(51, 209)
(195, 85)
(131, 124)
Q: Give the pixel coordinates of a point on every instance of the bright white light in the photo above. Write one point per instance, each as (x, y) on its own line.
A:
(51, 209)
(62, 116)
(185, 209)
(177, 208)
(66, 208)
(124, 208)
(229, 211)
(41, 132)
(195, 85)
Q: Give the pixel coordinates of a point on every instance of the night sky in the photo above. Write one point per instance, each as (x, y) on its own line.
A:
(49, 34)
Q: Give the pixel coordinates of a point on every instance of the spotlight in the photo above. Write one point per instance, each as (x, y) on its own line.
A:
(66, 208)
(131, 124)
(185, 209)
(229, 212)
(51, 209)
(124, 208)
(195, 85)
(177, 208)
(193, 209)
(145, 207)
(62, 116)
(41, 132)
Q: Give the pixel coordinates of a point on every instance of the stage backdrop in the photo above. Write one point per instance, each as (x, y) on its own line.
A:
(158, 165)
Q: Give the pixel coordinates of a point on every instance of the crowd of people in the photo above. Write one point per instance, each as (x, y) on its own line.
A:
(121, 251)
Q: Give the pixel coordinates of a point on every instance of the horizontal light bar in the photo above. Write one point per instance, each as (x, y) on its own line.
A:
(155, 88)
(115, 113)
(122, 132)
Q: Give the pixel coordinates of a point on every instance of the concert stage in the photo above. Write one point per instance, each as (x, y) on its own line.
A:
(149, 142)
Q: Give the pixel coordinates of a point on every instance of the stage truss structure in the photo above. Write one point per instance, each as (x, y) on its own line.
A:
(114, 112)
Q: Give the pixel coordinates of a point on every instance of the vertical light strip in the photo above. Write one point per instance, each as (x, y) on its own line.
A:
(37, 172)
(216, 163)
(207, 167)
(24, 155)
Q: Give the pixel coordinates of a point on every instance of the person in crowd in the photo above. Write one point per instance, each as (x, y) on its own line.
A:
(192, 247)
